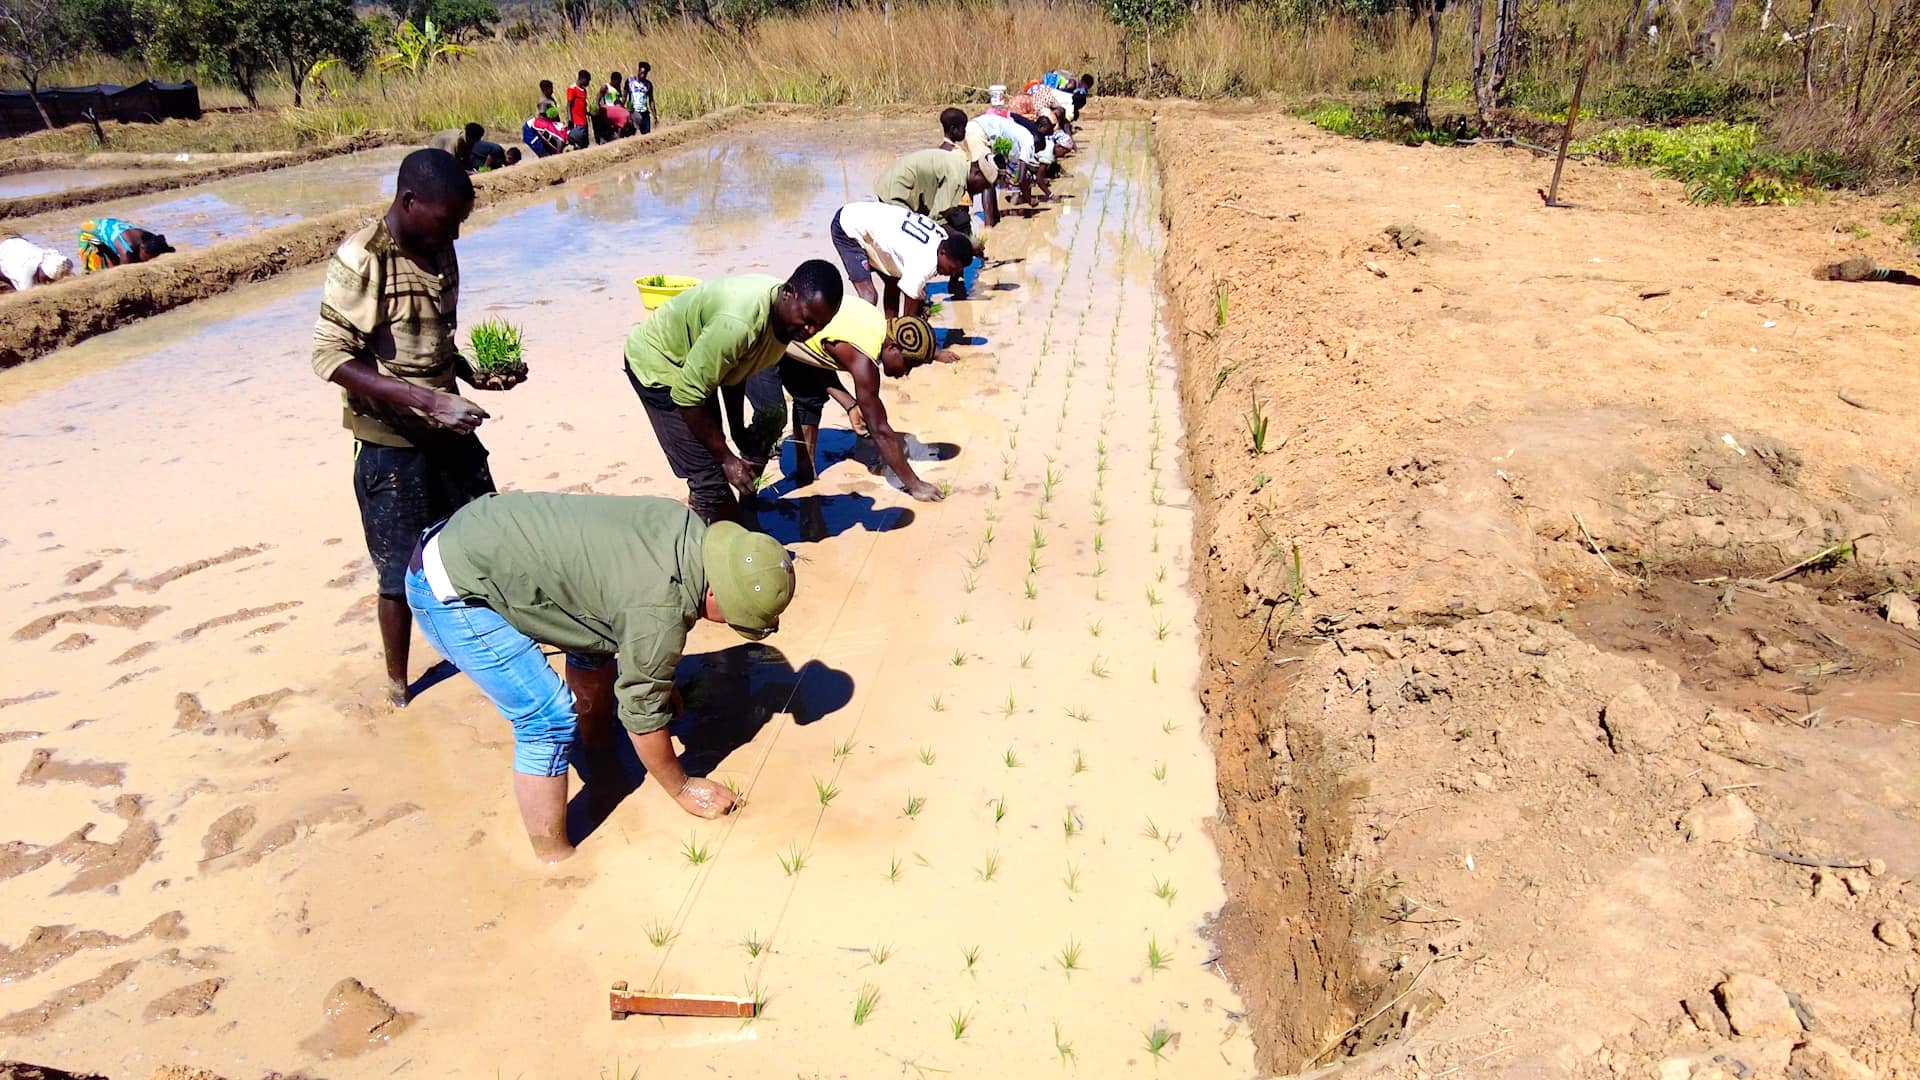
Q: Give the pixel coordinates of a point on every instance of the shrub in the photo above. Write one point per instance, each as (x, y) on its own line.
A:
(1723, 163)
(1375, 124)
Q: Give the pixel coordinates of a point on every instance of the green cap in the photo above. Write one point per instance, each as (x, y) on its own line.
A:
(750, 574)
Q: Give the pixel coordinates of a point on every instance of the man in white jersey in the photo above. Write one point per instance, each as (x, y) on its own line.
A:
(905, 249)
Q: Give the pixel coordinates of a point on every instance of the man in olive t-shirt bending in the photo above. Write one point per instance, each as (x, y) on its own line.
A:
(720, 334)
(616, 582)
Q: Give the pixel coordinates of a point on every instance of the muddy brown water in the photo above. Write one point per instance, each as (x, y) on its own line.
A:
(40, 183)
(206, 214)
(1016, 665)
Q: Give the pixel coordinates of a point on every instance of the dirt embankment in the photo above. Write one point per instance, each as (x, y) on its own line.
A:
(41, 320)
(1522, 754)
(235, 165)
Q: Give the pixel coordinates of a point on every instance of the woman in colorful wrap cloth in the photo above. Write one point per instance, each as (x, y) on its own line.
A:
(108, 242)
(862, 342)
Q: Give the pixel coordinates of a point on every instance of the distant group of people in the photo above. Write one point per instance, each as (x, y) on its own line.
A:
(617, 582)
(103, 243)
(624, 106)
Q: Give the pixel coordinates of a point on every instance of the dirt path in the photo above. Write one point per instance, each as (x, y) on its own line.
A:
(1497, 787)
(194, 609)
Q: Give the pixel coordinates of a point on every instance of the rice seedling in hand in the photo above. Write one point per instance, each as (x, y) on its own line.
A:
(989, 867)
(863, 1005)
(494, 356)
(695, 851)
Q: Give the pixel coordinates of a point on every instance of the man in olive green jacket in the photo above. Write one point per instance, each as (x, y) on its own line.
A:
(614, 581)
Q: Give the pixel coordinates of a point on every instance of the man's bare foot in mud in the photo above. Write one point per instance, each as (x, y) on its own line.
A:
(398, 695)
(551, 853)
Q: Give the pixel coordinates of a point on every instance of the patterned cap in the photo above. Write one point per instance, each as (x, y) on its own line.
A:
(914, 336)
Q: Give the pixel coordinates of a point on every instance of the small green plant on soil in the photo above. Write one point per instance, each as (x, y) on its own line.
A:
(1026, 660)
(695, 851)
(494, 350)
(957, 1023)
(1100, 516)
(1168, 727)
(659, 934)
(1033, 562)
(968, 582)
(1156, 956)
(1160, 628)
(1257, 427)
(1039, 539)
(1220, 306)
(1099, 568)
(1010, 759)
(1070, 957)
(1079, 763)
(1160, 771)
(843, 748)
(1008, 711)
(1026, 624)
(978, 559)
(826, 791)
(1154, 674)
(1081, 715)
(753, 944)
(1096, 626)
(988, 537)
(793, 860)
(893, 871)
(1072, 880)
(927, 756)
(915, 804)
(1098, 668)
(999, 809)
(971, 955)
(959, 658)
(864, 1004)
(1033, 591)
(1070, 824)
(1153, 598)
(1165, 890)
(960, 619)
(1160, 575)
(1157, 1040)
(989, 867)
(881, 953)
(1099, 543)
(1061, 1046)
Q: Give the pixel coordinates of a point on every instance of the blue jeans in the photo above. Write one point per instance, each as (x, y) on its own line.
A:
(509, 668)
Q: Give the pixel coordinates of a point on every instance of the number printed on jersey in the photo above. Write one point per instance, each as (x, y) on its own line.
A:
(922, 228)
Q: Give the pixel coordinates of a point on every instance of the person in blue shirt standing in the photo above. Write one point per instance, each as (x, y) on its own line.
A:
(640, 97)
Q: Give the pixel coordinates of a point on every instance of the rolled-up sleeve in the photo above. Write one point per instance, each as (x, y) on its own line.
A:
(349, 306)
(651, 642)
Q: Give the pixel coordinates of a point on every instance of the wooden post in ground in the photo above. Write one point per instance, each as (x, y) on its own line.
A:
(1566, 134)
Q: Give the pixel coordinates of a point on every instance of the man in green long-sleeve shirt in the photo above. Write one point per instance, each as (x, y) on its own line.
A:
(614, 581)
(714, 335)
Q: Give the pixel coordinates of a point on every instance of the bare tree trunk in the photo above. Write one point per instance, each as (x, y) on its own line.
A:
(1433, 57)
(1476, 18)
(1712, 36)
(1866, 61)
(1806, 47)
(1766, 15)
(33, 91)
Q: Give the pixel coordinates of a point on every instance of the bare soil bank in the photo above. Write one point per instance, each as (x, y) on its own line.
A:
(235, 165)
(1503, 790)
(37, 322)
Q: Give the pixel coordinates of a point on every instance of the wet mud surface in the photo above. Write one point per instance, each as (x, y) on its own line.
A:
(1015, 664)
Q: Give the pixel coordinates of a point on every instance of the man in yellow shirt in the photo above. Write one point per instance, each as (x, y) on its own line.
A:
(720, 334)
(863, 343)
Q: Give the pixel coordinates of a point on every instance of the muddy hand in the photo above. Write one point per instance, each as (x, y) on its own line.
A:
(742, 473)
(455, 413)
(704, 798)
(925, 492)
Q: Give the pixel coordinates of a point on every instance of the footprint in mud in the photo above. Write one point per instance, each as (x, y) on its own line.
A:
(75, 640)
(223, 836)
(72, 999)
(336, 810)
(250, 718)
(101, 864)
(242, 615)
(118, 615)
(42, 769)
(37, 695)
(46, 946)
(354, 1021)
(191, 1000)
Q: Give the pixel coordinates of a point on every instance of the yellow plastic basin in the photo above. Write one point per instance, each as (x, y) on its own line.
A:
(655, 295)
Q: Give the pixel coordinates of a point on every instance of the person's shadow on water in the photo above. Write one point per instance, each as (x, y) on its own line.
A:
(729, 696)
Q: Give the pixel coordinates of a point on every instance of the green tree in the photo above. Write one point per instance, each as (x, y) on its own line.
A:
(108, 26)
(455, 18)
(205, 35)
(34, 36)
(1146, 18)
(292, 35)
